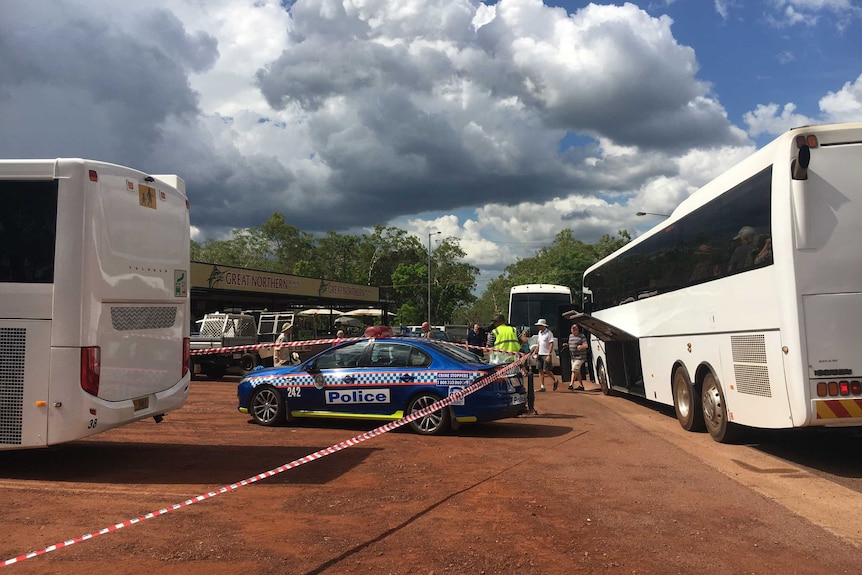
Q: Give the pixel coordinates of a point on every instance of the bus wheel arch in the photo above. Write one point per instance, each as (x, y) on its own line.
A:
(687, 402)
(715, 412)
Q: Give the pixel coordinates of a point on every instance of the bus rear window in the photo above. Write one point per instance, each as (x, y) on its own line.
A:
(28, 230)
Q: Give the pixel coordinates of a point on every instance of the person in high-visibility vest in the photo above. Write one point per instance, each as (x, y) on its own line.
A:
(506, 340)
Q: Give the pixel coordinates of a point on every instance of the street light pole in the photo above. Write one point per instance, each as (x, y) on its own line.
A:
(429, 273)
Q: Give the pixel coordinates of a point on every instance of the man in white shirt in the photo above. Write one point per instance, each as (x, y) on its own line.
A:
(544, 355)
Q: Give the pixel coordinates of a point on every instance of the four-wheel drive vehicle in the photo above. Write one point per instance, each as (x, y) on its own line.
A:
(456, 333)
(269, 326)
(219, 330)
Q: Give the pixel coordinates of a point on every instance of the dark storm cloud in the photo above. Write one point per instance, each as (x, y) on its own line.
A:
(85, 85)
(400, 135)
(376, 110)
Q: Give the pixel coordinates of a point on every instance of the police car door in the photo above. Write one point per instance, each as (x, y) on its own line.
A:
(382, 381)
(334, 375)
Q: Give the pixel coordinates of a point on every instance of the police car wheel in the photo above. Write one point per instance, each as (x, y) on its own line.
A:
(267, 406)
(433, 423)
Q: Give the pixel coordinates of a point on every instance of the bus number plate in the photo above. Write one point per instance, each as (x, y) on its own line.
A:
(141, 403)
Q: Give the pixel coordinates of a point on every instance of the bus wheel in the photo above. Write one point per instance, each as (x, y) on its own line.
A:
(602, 376)
(715, 412)
(433, 423)
(267, 406)
(687, 402)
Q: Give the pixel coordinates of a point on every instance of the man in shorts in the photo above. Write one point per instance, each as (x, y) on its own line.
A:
(544, 355)
(578, 351)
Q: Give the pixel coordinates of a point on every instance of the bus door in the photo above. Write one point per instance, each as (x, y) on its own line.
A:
(562, 332)
(618, 361)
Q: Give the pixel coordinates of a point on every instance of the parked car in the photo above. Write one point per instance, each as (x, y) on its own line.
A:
(440, 335)
(382, 379)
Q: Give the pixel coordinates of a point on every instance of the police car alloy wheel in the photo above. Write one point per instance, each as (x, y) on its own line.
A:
(432, 424)
(267, 406)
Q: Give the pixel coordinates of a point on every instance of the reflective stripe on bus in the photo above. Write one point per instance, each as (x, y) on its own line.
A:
(839, 408)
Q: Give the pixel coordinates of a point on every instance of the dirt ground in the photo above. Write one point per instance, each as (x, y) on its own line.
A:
(576, 489)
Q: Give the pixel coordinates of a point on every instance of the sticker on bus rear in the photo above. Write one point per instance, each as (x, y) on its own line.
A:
(181, 283)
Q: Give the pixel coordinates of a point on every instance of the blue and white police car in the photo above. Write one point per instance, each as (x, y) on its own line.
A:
(382, 379)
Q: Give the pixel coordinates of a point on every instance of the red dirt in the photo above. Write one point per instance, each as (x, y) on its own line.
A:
(577, 489)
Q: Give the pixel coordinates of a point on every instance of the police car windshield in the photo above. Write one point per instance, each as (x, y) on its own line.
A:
(455, 353)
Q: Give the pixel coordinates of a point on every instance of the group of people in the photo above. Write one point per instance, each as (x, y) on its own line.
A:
(502, 339)
(577, 346)
(505, 343)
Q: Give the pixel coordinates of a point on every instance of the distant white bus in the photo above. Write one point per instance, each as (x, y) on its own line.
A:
(94, 299)
(530, 302)
(744, 308)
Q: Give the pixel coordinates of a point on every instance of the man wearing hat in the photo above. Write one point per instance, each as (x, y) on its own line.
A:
(280, 355)
(544, 355)
(505, 339)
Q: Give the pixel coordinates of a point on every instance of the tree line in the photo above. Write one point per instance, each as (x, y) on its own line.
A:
(397, 263)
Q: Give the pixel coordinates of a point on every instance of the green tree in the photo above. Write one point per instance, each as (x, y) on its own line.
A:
(247, 249)
(410, 284)
(288, 245)
(337, 258)
(381, 251)
(561, 263)
(452, 282)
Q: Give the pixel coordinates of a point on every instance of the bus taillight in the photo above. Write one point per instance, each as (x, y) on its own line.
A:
(838, 388)
(186, 347)
(809, 140)
(91, 367)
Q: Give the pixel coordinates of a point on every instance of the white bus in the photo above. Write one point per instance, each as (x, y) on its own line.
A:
(530, 302)
(94, 299)
(744, 308)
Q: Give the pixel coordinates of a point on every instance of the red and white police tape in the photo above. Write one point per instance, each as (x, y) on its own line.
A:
(305, 342)
(446, 401)
(258, 346)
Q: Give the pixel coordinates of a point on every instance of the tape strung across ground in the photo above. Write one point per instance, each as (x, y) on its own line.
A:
(306, 342)
(445, 402)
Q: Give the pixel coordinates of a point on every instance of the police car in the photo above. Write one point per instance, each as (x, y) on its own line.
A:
(382, 379)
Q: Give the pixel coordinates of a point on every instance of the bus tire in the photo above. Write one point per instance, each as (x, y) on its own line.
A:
(602, 378)
(715, 414)
(687, 402)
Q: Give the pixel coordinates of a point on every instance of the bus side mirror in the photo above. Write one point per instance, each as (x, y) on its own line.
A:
(799, 166)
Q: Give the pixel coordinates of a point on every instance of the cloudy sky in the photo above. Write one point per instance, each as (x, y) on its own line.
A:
(497, 123)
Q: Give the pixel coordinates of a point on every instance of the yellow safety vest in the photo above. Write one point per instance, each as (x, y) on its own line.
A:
(506, 339)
